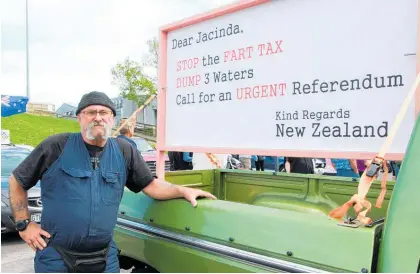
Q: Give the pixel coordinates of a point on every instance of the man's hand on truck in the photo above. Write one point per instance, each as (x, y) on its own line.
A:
(161, 190)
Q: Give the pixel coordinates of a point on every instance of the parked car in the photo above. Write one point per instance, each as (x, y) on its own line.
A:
(11, 157)
(149, 154)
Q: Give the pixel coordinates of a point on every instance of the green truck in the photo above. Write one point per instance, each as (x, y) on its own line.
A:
(265, 222)
(290, 78)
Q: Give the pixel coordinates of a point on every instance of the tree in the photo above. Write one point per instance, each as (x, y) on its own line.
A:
(152, 58)
(129, 75)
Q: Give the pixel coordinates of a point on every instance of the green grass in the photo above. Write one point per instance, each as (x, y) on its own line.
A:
(31, 129)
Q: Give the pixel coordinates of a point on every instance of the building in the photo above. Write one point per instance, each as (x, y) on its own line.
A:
(66, 110)
(125, 108)
(40, 108)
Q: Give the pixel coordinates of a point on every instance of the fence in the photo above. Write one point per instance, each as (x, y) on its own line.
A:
(145, 129)
(40, 109)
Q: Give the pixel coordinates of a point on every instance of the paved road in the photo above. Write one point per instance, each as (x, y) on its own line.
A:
(17, 257)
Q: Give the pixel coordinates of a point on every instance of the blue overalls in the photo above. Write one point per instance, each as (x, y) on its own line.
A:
(80, 204)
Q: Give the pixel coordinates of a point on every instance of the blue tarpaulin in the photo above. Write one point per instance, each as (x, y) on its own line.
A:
(11, 105)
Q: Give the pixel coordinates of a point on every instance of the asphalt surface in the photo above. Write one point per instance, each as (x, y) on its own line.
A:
(17, 256)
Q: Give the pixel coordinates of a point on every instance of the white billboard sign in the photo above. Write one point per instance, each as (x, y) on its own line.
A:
(292, 78)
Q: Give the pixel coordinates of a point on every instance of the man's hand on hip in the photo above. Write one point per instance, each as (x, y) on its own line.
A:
(32, 236)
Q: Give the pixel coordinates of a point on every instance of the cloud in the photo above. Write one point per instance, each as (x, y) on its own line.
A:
(75, 43)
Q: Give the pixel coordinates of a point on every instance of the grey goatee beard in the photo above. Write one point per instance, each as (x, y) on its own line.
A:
(89, 130)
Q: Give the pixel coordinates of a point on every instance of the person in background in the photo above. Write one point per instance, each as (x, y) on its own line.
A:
(329, 169)
(125, 133)
(395, 169)
(246, 161)
(173, 164)
(182, 160)
(299, 165)
(187, 158)
(259, 162)
(282, 164)
(392, 171)
(361, 166)
(346, 167)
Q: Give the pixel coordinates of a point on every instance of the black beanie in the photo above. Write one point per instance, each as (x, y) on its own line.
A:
(95, 98)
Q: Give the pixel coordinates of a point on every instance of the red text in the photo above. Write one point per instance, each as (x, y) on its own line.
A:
(261, 91)
(270, 48)
(238, 54)
(187, 64)
(187, 81)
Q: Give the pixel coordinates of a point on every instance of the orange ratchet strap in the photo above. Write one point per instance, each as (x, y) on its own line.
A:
(358, 201)
(381, 196)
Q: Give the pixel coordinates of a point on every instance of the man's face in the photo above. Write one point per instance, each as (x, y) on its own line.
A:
(96, 122)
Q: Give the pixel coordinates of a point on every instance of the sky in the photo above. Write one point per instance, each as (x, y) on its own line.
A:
(73, 44)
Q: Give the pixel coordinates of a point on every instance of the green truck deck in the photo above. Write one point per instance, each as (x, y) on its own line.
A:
(266, 222)
(280, 216)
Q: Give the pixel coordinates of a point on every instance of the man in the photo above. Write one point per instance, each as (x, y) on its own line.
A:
(345, 167)
(173, 164)
(299, 165)
(259, 162)
(361, 166)
(125, 133)
(181, 160)
(82, 182)
(246, 161)
(187, 158)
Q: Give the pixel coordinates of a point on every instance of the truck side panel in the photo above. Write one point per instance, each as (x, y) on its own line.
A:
(262, 213)
(311, 239)
(171, 257)
(400, 247)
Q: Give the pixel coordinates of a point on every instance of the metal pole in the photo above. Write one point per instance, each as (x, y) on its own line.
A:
(27, 51)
